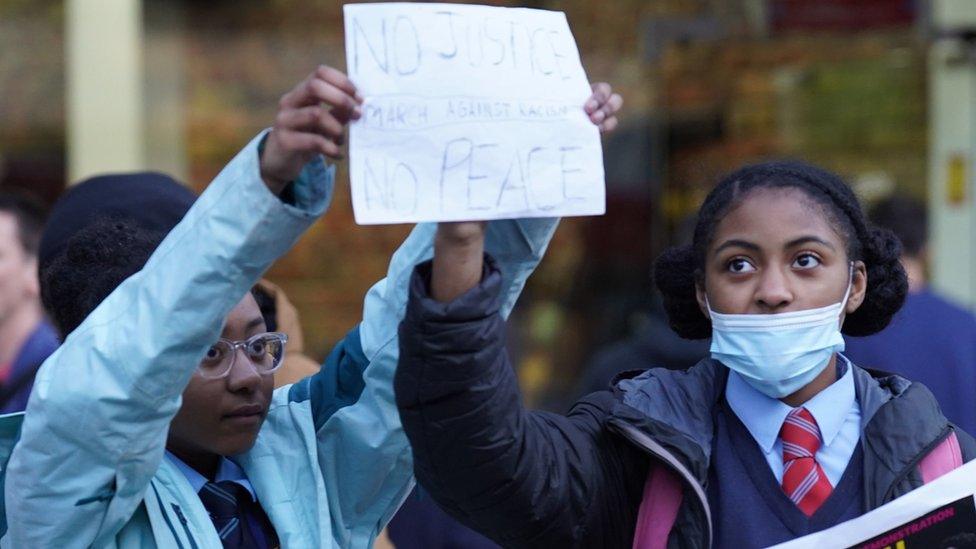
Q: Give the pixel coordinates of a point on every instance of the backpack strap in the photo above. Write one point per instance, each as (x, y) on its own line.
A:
(659, 508)
(943, 459)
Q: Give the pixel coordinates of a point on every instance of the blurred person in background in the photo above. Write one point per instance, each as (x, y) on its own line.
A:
(931, 339)
(651, 343)
(26, 337)
(421, 524)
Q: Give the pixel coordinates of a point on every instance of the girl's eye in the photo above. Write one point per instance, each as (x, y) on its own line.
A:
(806, 261)
(214, 353)
(740, 265)
(256, 348)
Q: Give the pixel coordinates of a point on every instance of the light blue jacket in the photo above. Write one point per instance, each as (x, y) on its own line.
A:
(84, 466)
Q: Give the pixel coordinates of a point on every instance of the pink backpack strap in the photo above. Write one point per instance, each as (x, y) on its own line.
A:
(659, 508)
(944, 458)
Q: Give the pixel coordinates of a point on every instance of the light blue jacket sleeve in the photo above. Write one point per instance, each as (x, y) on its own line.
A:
(365, 456)
(96, 425)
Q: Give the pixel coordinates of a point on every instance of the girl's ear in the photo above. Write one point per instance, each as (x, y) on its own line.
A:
(859, 287)
(700, 296)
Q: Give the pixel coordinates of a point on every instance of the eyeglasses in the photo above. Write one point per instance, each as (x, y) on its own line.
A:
(265, 351)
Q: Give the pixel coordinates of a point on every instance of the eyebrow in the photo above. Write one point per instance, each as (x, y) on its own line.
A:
(736, 243)
(791, 244)
(254, 323)
(808, 239)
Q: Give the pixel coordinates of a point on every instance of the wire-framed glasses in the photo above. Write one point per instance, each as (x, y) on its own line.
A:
(264, 351)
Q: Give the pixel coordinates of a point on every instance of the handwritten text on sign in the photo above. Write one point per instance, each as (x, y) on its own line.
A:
(471, 112)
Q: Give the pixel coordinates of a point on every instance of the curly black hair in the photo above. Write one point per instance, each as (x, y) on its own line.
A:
(679, 269)
(94, 262)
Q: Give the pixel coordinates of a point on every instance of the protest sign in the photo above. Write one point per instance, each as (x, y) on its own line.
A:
(939, 514)
(470, 112)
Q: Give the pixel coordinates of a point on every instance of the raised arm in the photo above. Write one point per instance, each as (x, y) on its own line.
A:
(96, 425)
(363, 499)
(525, 479)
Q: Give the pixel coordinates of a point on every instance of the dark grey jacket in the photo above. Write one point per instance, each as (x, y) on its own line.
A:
(536, 479)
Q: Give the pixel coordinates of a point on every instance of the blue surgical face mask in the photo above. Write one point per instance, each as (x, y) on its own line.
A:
(778, 354)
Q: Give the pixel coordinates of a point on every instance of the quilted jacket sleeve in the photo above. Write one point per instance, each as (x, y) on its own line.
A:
(524, 479)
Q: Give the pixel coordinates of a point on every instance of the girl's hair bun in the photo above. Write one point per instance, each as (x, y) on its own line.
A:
(675, 275)
(887, 283)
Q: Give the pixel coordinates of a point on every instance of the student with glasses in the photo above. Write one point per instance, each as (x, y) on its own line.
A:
(156, 424)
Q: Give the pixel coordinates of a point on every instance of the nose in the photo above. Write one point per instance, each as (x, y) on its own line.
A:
(243, 376)
(774, 292)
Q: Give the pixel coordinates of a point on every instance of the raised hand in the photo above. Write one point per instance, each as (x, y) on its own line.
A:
(311, 120)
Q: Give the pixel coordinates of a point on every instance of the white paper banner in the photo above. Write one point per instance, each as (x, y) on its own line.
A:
(931, 516)
(471, 112)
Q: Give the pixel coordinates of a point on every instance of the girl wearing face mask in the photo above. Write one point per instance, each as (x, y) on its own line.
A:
(773, 437)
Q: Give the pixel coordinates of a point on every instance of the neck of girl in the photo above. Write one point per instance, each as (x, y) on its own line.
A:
(205, 463)
(825, 379)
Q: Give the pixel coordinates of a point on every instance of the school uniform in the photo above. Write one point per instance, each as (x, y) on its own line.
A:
(664, 459)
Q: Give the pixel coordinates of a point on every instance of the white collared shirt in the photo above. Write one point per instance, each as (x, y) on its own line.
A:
(227, 470)
(835, 409)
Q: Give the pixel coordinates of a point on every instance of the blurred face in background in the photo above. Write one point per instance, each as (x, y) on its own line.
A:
(18, 270)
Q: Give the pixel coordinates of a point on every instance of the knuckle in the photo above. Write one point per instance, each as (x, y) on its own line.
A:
(285, 140)
(313, 114)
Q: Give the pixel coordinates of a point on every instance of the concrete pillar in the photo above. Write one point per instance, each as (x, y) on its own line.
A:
(952, 142)
(105, 112)
(165, 93)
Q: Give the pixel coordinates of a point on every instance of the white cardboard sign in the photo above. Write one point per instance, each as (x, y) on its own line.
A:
(470, 112)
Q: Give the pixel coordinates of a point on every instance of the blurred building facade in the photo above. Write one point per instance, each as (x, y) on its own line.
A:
(709, 85)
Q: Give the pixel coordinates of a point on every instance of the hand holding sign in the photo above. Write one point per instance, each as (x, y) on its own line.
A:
(603, 105)
(311, 120)
(471, 112)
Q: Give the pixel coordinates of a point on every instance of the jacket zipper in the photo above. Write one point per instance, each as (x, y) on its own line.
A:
(186, 527)
(651, 446)
(914, 463)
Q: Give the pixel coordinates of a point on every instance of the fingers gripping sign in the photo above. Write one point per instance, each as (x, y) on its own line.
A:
(603, 105)
(311, 120)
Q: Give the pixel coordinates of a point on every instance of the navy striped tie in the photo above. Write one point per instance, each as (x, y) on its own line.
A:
(224, 501)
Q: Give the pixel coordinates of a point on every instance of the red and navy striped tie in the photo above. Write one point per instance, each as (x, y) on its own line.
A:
(803, 479)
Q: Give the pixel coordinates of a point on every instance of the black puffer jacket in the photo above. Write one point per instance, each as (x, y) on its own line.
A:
(535, 479)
